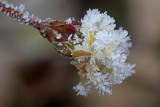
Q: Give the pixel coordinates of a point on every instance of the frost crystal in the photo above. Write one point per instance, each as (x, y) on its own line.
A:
(58, 36)
(20, 8)
(69, 20)
(109, 48)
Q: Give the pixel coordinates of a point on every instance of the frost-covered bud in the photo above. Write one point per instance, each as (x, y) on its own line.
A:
(98, 49)
(63, 35)
(105, 64)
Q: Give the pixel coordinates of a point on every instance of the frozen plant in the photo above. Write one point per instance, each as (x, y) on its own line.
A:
(98, 50)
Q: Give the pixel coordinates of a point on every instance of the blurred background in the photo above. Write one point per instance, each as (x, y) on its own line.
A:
(32, 74)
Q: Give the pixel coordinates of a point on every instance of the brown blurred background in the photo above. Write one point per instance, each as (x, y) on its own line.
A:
(32, 74)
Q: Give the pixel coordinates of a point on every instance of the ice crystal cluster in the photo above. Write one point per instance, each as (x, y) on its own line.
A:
(99, 51)
(109, 49)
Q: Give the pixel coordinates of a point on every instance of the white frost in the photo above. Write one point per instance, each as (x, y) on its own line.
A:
(59, 36)
(109, 49)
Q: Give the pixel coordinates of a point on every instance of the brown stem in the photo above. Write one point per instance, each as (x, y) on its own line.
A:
(20, 16)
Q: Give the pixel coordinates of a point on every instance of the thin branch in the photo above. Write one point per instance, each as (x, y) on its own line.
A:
(56, 32)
